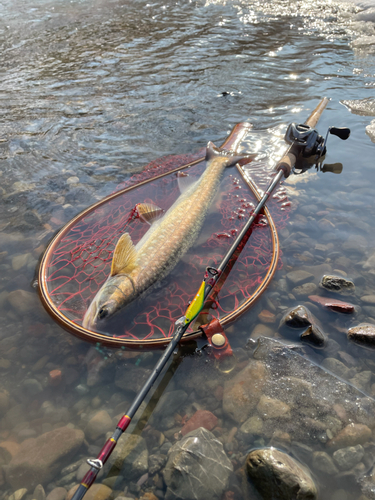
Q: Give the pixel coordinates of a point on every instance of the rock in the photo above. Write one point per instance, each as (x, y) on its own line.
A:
(130, 456)
(243, 391)
(156, 463)
(266, 316)
(4, 402)
(201, 418)
(337, 284)
(169, 403)
(38, 459)
(57, 494)
(324, 463)
(19, 494)
(253, 426)
(197, 467)
(336, 366)
(98, 425)
(18, 261)
(276, 475)
(72, 180)
(362, 380)
(31, 387)
(363, 334)
(304, 290)
(23, 302)
(299, 277)
(95, 492)
(272, 408)
(347, 458)
(351, 435)
(39, 493)
(133, 379)
(368, 299)
(355, 244)
(262, 330)
(8, 450)
(314, 336)
(297, 317)
(333, 304)
(54, 377)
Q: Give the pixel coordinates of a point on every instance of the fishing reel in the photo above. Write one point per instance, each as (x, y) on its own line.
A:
(309, 147)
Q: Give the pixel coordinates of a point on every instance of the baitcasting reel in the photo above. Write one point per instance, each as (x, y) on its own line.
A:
(307, 143)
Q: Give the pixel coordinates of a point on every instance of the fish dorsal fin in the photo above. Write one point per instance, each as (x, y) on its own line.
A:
(124, 256)
(149, 212)
(184, 181)
(231, 158)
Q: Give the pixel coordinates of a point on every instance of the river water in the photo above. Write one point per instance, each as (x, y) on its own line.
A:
(91, 91)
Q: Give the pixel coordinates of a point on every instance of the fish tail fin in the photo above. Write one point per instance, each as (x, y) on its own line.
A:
(213, 151)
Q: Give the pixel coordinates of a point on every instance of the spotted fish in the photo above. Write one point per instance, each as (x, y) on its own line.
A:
(135, 268)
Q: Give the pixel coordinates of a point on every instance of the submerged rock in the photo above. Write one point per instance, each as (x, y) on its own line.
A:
(197, 467)
(201, 418)
(276, 475)
(314, 336)
(351, 435)
(363, 334)
(333, 304)
(337, 284)
(38, 459)
(347, 458)
(243, 391)
(130, 456)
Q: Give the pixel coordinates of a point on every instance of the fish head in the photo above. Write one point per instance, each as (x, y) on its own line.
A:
(117, 292)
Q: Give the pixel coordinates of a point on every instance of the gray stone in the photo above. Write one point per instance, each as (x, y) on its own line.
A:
(276, 475)
(337, 284)
(299, 277)
(305, 290)
(131, 379)
(253, 426)
(98, 425)
(362, 380)
(130, 456)
(324, 463)
(57, 494)
(31, 387)
(197, 467)
(156, 463)
(368, 299)
(346, 458)
(363, 334)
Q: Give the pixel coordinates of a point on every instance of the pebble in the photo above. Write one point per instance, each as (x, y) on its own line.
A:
(314, 336)
(299, 277)
(368, 299)
(201, 418)
(272, 408)
(98, 425)
(351, 435)
(337, 367)
(72, 180)
(324, 463)
(297, 317)
(95, 492)
(262, 330)
(266, 316)
(347, 458)
(337, 284)
(19, 494)
(304, 290)
(333, 304)
(58, 493)
(23, 302)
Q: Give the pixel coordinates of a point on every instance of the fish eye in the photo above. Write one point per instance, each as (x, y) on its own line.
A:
(103, 313)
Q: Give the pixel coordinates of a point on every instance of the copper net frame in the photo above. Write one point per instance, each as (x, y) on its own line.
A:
(232, 142)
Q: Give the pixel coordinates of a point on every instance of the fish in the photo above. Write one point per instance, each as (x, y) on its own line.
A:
(135, 268)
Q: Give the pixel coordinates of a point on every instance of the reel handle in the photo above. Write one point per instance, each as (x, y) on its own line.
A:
(286, 164)
(341, 132)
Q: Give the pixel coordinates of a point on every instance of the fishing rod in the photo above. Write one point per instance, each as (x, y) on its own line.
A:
(304, 141)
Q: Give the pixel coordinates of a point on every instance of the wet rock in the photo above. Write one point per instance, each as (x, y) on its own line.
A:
(4, 402)
(57, 494)
(297, 317)
(130, 456)
(362, 380)
(38, 459)
(98, 425)
(253, 426)
(304, 290)
(19, 261)
(133, 379)
(337, 284)
(201, 418)
(324, 463)
(31, 387)
(272, 408)
(347, 458)
(351, 435)
(368, 299)
(156, 463)
(355, 244)
(363, 334)
(243, 391)
(314, 336)
(276, 475)
(8, 450)
(96, 492)
(39, 493)
(197, 467)
(169, 403)
(299, 277)
(261, 330)
(23, 302)
(333, 304)
(336, 366)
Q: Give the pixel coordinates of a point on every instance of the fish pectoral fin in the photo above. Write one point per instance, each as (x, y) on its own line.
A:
(148, 212)
(185, 181)
(213, 151)
(124, 255)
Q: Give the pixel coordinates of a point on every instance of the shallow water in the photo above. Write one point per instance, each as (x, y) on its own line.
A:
(94, 90)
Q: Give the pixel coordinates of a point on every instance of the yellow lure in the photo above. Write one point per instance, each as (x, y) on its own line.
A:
(195, 305)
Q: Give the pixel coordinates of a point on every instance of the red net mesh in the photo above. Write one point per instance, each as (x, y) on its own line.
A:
(80, 261)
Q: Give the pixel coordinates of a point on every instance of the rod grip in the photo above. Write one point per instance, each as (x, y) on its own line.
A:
(286, 164)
